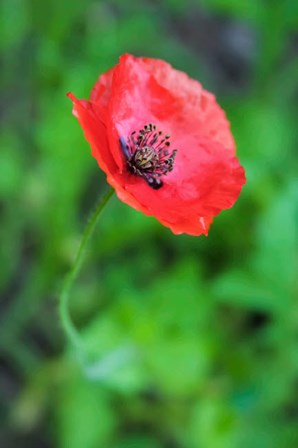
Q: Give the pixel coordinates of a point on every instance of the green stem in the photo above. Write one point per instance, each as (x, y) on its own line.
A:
(70, 330)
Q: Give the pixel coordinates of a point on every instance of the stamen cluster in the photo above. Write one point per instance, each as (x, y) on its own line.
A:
(147, 154)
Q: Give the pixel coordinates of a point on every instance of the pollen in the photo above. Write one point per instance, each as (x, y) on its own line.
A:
(148, 155)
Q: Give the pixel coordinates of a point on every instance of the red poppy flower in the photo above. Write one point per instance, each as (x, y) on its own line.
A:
(163, 142)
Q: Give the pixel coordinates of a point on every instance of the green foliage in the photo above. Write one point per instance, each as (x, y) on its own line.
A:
(191, 342)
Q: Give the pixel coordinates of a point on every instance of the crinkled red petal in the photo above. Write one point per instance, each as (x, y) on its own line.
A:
(95, 132)
(207, 177)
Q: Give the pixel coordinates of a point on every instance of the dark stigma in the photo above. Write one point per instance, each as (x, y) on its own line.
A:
(147, 155)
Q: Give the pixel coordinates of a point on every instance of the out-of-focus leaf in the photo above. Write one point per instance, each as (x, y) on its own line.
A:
(85, 416)
(245, 289)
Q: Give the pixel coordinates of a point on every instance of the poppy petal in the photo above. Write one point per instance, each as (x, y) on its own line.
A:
(206, 177)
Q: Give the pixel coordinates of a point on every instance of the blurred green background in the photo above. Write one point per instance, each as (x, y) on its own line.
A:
(193, 341)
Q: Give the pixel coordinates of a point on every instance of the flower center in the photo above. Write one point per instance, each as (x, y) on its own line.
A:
(147, 154)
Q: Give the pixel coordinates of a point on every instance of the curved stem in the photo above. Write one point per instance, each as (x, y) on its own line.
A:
(67, 323)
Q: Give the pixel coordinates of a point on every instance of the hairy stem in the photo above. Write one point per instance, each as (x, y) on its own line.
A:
(66, 321)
